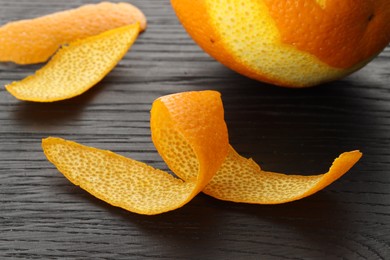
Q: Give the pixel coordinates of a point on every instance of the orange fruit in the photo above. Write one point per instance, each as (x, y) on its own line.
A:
(77, 67)
(35, 40)
(295, 43)
(189, 132)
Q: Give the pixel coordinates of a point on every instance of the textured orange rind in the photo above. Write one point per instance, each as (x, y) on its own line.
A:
(189, 132)
(242, 180)
(77, 67)
(36, 40)
(138, 187)
(297, 43)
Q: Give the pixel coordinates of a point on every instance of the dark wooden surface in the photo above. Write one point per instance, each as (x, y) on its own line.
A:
(43, 216)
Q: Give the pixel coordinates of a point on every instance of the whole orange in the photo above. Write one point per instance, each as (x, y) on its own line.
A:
(294, 43)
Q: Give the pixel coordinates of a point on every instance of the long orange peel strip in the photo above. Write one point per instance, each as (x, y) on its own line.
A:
(36, 40)
(77, 67)
(189, 132)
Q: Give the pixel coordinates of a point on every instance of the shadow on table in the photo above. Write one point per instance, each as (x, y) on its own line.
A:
(207, 227)
(284, 129)
(56, 113)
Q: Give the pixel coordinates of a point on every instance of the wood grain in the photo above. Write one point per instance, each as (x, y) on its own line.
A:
(43, 216)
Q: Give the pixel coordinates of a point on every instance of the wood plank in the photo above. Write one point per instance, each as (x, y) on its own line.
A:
(43, 216)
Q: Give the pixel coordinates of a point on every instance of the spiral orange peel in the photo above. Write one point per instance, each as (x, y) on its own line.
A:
(189, 132)
(77, 67)
(36, 40)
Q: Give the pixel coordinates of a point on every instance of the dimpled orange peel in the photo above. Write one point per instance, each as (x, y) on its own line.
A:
(35, 40)
(189, 132)
(77, 67)
(295, 43)
(202, 143)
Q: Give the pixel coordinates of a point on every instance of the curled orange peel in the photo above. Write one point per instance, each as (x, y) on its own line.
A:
(36, 40)
(138, 187)
(189, 132)
(76, 67)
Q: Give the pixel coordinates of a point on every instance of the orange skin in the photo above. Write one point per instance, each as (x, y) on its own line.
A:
(189, 132)
(343, 46)
(36, 40)
(363, 31)
(207, 37)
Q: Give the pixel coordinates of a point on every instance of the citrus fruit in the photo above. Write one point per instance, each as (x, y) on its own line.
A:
(76, 67)
(295, 43)
(190, 134)
(35, 40)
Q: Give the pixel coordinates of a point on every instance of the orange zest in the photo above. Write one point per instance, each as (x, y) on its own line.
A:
(189, 132)
(36, 40)
(77, 67)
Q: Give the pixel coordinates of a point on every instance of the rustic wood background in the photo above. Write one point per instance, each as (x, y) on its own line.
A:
(43, 216)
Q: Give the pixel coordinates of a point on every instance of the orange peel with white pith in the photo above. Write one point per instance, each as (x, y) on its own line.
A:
(77, 67)
(136, 186)
(291, 43)
(36, 40)
(189, 132)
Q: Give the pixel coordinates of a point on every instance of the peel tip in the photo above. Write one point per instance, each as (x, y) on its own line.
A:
(355, 153)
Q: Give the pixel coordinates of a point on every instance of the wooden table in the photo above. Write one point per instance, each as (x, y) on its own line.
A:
(44, 216)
